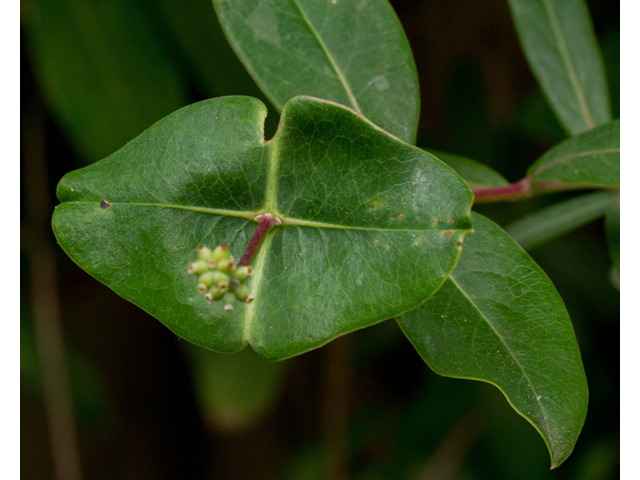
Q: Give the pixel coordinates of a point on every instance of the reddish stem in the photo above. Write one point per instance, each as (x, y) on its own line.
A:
(525, 188)
(509, 193)
(266, 222)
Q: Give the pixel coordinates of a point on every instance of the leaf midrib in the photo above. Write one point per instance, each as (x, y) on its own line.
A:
(504, 342)
(286, 221)
(573, 156)
(337, 69)
(573, 79)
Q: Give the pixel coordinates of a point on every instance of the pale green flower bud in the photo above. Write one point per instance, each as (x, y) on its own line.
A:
(214, 294)
(226, 266)
(207, 279)
(205, 253)
(198, 267)
(229, 300)
(242, 293)
(242, 273)
(221, 252)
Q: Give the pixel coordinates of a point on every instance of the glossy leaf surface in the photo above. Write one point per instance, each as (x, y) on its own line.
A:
(102, 71)
(499, 319)
(559, 42)
(476, 174)
(370, 227)
(588, 160)
(351, 52)
(556, 220)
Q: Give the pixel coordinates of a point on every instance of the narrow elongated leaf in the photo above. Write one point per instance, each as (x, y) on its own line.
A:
(588, 160)
(351, 52)
(476, 174)
(559, 219)
(370, 226)
(499, 319)
(101, 57)
(558, 40)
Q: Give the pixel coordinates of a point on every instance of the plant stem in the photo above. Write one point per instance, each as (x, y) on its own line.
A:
(266, 222)
(45, 301)
(338, 378)
(509, 193)
(522, 190)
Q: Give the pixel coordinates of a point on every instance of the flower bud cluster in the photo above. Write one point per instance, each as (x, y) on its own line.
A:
(219, 278)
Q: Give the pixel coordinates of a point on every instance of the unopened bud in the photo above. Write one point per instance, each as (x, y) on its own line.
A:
(223, 287)
(242, 293)
(214, 294)
(218, 277)
(198, 267)
(229, 300)
(221, 252)
(226, 266)
(205, 253)
(207, 279)
(242, 273)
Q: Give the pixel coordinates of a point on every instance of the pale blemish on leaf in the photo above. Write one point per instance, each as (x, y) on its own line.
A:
(381, 83)
(264, 23)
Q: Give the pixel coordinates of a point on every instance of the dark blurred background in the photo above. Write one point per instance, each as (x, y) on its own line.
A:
(144, 404)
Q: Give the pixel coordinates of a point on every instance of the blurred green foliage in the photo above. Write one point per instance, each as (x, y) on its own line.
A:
(106, 70)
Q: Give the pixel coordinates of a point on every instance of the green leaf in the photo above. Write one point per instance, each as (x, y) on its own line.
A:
(612, 228)
(559, 42)
(556, 220)
(476, 174)
(351, 52)
(101, 70)
(370, 227)
(499, 319)
(588, 160)
(234, 391)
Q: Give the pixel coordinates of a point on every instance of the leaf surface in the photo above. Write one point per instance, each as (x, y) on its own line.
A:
(351, 52)
(559, 219)
(476, 174)
(588, 160)
(102, 71)
(560, 45)
(499, 319)
(370, 228)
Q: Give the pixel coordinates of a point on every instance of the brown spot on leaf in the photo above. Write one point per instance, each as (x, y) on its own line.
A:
(435, 222)
(372, 207)
(419, 240)
(401, 215)
(449, 219)
(459, 244)
(377, 239)
(388, 246)
(104, 204)
(448, 234)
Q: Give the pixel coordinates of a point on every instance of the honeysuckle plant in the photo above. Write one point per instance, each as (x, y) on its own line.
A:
(339, 222)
